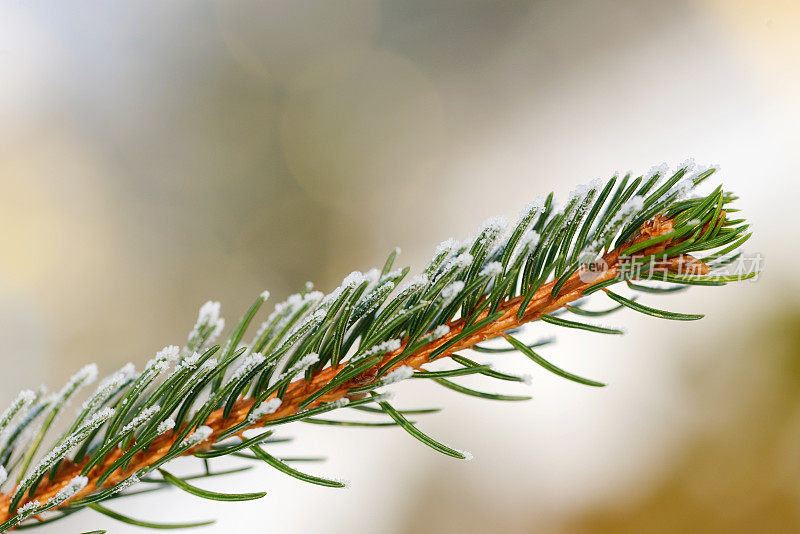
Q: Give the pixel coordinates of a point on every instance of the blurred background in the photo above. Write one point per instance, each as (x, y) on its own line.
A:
(154, 155)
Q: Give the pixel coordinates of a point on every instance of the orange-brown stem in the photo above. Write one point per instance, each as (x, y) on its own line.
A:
(541, 303)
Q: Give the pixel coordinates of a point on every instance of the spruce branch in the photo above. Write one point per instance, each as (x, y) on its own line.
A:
(318, 353)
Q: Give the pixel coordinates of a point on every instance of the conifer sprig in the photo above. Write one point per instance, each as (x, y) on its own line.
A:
(318, 353)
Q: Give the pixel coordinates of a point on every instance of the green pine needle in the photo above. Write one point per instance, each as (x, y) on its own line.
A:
(206, 494)
(146, 524)
(647, 310)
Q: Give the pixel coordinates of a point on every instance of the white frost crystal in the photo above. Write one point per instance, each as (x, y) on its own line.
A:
(165, 426)
(168, 354)
(208, 317)
(527, 379)
(389, 345)
(68, 491)
(127, 483)
(109, 385)
(24, 399)
(583, 190)
(300, 367)
(529, 211)
(494, 224)
(24, 511)
(401, 373)
(249, 363)
(392, 274)
(368, 301)
(492, 269)
(96, 420)
(462, 260)
(141, 419)
(372, 275)
(467, 455)
(446, 246)
(632, 205)
(354, 279)
(451, 291)
(350, 281)
(190, 361)
(314, 319)
(209, 313)
(266, 408)
(163, 359)
(285, 310)
(488, 233)
(440, 331)
(84, 377)
(341, 403)
(197, 437)
(418, 281)
(661, 170)
(437, 333)
(529, 240)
